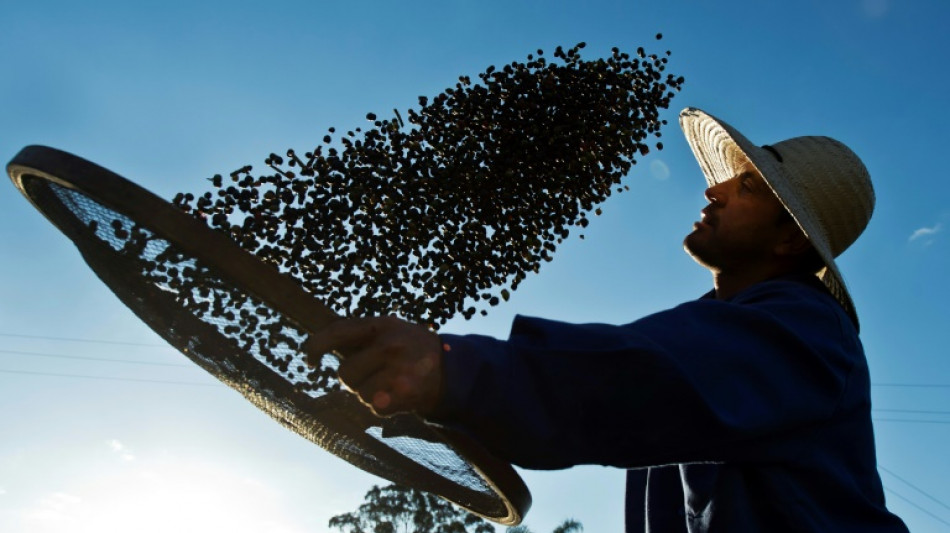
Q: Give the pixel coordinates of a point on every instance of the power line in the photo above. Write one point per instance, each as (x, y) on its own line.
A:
(911, 420)
(161, 382)
(152, 345)
(216, 385)
(917, 411)
(911, 485)
(919, 385)
(935, 517)
(70, 339)
(84, 358)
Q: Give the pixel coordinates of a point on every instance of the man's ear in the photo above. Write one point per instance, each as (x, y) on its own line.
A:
(792, 241)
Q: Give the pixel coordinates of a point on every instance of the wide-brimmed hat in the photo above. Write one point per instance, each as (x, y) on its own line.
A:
(820, 181)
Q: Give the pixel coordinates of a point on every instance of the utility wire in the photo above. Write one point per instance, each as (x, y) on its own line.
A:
(921, 421)
(917, 411)
(921, 385)
(911, 421)
(152, 345)
(162, 382)
(935, 517)
(69, 339)
(911, 485)
(59, 356)
(215, 385)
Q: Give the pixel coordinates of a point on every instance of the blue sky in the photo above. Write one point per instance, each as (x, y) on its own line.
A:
(170, 93)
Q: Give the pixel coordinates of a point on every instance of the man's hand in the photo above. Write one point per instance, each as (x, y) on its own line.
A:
(392, 365)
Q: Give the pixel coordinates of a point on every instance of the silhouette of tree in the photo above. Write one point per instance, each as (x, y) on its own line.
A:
(568, 526)
(398, 509)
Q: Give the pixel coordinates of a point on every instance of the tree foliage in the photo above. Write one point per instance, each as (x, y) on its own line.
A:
(567, 526)
(398, 509)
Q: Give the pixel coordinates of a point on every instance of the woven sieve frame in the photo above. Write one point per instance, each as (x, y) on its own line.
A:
(335, 421)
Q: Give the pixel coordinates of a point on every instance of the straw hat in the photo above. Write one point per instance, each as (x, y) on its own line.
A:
(821, 182)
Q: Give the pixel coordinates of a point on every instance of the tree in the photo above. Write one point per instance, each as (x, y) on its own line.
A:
(568, 526)
(398, 509)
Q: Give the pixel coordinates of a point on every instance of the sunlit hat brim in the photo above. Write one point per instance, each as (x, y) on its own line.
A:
(719, 149)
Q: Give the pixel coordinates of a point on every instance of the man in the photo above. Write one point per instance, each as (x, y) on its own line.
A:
(745, 410)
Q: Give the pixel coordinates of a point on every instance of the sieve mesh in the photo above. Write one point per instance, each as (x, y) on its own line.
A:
(254, 348)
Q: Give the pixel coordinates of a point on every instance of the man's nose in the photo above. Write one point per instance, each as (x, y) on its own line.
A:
(714, 194)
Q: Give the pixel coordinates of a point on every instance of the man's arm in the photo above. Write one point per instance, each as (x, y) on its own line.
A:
(746, 380)
(706, 381)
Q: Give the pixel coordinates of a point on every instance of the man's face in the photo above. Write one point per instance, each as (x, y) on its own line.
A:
(740, 227)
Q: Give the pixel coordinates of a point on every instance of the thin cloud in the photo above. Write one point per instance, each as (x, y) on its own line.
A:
(924, 232)
(659, 170)
(875, 8)
(121, 449)
(57, 508)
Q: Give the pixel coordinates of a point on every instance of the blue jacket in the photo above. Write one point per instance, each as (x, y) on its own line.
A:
(755, 410)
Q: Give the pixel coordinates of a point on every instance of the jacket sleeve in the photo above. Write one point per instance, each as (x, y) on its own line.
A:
(709, 380)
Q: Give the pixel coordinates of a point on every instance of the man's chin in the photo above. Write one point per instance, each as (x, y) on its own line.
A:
(695, 250)
(691, 241)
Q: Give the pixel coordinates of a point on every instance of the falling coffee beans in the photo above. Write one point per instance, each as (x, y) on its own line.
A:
(447, 211)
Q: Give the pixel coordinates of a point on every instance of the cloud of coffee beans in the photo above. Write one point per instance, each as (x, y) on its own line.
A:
(445, 211)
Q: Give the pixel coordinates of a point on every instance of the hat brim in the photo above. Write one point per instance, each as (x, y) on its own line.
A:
(714, 144)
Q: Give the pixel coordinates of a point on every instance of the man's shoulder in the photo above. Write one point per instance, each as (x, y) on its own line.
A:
(802, 296)
(794, 294)
(795, 285)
